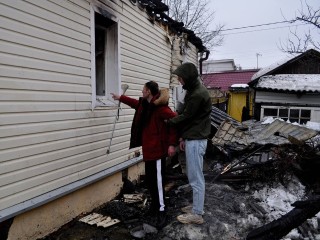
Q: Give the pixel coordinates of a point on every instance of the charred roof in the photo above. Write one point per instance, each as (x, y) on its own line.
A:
(156, 10)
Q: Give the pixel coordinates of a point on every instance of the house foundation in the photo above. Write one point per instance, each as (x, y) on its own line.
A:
(41, 221)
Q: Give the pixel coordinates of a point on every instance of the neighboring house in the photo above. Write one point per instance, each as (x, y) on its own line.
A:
(225, 90)
(289, 89)
(59, 62)
(213, 66)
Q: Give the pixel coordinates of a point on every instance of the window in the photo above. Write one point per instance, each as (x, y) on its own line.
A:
(294, 114)
(271, 112)
(105, 59)
(283, 113)
(305, 116)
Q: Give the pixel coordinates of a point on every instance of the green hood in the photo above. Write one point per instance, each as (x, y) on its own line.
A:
(189, 73)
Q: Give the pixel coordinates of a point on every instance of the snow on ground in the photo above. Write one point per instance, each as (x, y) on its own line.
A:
(313, 125)
(277, 200)
(229, 213)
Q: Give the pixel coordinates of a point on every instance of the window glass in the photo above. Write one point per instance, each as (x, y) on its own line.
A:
(305, 113)
(283, 113)
(106, 79)
(270, 112)
(304, 121)
(294, 113)
(100, 61)
(301, 116)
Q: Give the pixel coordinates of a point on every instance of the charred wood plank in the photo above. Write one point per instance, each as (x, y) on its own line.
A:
(237, 162)
(282, 226)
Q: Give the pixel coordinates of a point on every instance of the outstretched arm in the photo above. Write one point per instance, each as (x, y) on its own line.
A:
(115, 96)
(134, 103)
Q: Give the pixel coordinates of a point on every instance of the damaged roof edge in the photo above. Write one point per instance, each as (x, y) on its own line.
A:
(218, 116)
(156, 9)
(276, 133)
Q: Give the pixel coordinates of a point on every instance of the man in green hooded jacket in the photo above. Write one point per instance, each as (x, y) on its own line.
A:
(195, 125)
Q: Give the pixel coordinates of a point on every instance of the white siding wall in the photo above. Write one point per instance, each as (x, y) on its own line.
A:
(49, 137)
(211, 66)
(145, 53)
(192, 55)
(315, 115)
(286, 98)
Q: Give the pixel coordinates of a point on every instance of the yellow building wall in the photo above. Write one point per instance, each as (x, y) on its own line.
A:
(237, 100)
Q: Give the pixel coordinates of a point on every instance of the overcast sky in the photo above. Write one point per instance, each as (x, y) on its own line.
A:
(243, 45)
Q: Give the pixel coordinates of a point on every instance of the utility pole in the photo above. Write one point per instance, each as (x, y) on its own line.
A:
(258, 54)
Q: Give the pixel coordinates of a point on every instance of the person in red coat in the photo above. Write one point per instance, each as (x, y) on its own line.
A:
(150, 130)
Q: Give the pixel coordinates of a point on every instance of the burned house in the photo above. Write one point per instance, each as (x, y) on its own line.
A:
(289, 89)
(60, 60)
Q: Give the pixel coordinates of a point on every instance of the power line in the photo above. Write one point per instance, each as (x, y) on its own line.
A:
(265, 29)
(259, 25)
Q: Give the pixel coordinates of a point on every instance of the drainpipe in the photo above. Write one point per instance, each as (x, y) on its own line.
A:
(203, 59)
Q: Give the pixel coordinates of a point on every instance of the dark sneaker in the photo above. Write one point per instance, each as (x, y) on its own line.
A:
(190, 218)
(162, 220)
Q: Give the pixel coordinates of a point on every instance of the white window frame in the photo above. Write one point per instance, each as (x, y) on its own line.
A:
(289, 108)
(112, 68)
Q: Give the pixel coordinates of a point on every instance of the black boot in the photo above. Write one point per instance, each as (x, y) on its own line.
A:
(162, 219)
(151, 211)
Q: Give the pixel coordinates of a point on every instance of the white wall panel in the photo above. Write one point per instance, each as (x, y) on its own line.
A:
(49, 136)
(287, 98)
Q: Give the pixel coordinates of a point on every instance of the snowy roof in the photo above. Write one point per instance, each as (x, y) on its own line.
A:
(271, 67)
(239, 85)
(291, 82)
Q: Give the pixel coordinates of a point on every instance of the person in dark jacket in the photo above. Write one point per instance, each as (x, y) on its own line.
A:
(158, 140)
(195, 125)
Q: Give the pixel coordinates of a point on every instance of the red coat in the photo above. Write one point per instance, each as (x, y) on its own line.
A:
(149, 127)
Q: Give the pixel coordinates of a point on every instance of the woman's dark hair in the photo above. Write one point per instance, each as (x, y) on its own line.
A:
(153, 87)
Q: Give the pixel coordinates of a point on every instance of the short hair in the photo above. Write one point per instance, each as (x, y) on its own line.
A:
(153, 87)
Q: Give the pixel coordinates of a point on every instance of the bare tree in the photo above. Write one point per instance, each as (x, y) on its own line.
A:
(297, 42)
(197, 16)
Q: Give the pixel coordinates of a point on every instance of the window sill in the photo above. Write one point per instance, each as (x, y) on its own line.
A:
(104, 102)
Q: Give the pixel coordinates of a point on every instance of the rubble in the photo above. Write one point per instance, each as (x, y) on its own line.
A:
(99, 220)
(262, 182)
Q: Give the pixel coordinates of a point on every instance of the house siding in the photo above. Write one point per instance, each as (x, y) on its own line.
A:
(49, 136)
(145, 53)
(288, 98)
(311, 102)
(45, 99)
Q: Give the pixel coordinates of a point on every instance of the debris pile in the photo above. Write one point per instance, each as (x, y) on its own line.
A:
(262, 182)
(99, 220)
(271, 153)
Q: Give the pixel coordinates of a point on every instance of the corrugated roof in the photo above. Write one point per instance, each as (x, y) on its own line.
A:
(276, 133)
(218, 116)
(224, 80)
(290, 82)
(227, 133)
